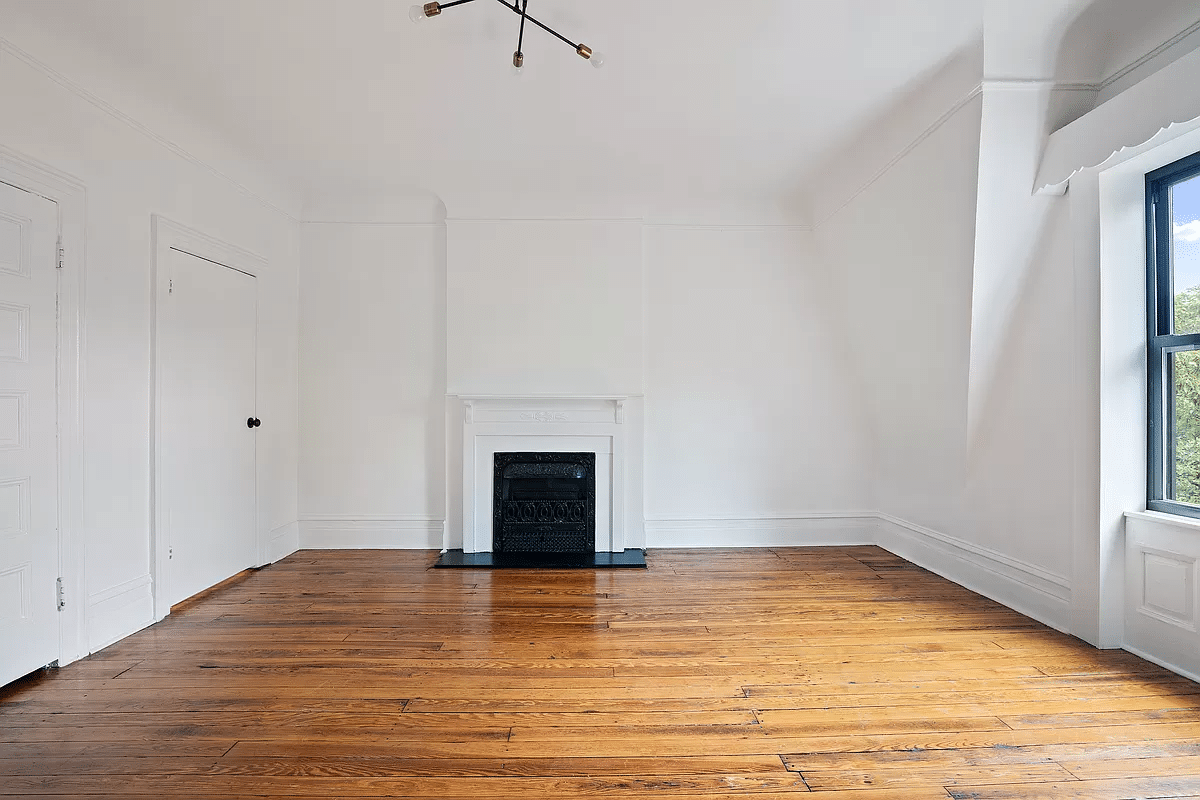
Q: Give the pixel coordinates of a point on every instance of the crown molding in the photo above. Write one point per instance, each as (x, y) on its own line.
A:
(1035, 84)
(933, 128)
(108, 108)
(1148, 57)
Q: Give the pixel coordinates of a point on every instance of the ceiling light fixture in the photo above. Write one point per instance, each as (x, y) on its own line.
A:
(420, 13)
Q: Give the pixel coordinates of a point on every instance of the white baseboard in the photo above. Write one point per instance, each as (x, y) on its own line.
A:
(284, 541)
(370, 533)
(120, 611)
(1027, 588)
(1178, 670)
(821, 529)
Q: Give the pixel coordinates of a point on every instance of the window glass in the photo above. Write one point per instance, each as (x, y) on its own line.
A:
(1185, 254)
(1184, 437)
(1173, 338)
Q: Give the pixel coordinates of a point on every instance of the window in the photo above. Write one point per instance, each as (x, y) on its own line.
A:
(1173, 318)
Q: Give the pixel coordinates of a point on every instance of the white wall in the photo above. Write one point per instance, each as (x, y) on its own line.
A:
(983, 505)
(544, 307)
(983, 360)
(749, 407)
(901, 253)
(752, 429)
(372, 380)
(128, 177)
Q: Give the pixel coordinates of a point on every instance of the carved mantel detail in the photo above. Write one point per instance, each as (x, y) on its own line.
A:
(545, 416)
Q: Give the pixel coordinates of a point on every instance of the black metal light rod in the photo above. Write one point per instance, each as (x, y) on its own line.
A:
(454, 3)
(521, 38)
(516, 9)
(549, 30)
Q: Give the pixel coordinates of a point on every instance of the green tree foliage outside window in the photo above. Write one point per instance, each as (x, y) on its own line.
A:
(1187, 402)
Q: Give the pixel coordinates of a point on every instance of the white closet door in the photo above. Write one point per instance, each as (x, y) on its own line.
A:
(208, 451)
(28, 433)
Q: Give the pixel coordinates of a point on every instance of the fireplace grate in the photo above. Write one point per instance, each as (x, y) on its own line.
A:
(544, 503)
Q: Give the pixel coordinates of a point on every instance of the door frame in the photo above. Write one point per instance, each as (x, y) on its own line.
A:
(168, 235)
(70, 196)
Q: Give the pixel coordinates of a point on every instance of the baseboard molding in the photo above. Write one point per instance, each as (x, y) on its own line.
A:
(370, 533)
(807, 530)
(1178, 670)
(283, 541)
(120, 611)
(1023, 587)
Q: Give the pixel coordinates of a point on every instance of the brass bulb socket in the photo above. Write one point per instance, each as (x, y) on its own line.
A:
(432, 9)
(518, 59)
(584, 51)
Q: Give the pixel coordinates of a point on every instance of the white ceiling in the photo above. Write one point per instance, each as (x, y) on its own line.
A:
(699, 99)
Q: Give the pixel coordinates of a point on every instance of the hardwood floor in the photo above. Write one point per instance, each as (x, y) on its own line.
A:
(842, 671)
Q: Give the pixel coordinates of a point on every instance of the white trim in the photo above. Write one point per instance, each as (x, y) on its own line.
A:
(179, 236)
(282, 542)
(369, 518)
(764, 227)
(373, 224)
(1027, 588)
(120, 589)
(535, 220)
(516, 397)
(1038, 84)
(357, 533)
(1116, 129)
(70, 195)
(792, 515)
(1178, 520)
(933, 128)
(167, 235)
(120, 611)
(114, 112)
(1178, 670)
(608, 425)
(1148, 57)
(799, 530)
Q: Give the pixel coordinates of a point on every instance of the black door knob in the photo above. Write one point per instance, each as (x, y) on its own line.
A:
(253, 422)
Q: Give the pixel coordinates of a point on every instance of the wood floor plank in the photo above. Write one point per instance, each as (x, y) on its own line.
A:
(844, 672)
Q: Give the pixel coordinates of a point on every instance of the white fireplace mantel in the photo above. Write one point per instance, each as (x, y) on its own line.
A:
(609, 426)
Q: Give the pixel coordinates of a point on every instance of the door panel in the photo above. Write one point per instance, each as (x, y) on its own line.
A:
(28, 435)
(208, 451)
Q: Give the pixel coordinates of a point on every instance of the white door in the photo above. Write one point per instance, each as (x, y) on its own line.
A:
(207, 447)
(28, 435)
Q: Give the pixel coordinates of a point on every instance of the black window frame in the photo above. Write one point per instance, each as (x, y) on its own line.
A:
(1161, 340)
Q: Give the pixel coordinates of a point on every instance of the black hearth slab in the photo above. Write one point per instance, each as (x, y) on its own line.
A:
(457, 559)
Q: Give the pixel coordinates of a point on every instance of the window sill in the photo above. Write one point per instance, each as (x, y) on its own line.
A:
(1177, 520)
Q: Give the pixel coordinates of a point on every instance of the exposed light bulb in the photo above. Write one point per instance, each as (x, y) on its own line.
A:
(420, 13)
(597, 59)
(518, 64)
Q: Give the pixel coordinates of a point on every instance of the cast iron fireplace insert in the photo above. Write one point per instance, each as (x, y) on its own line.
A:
(544, 503)
(544, 516)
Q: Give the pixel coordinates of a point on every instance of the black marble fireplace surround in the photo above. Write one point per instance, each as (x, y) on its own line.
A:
(544, 515)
